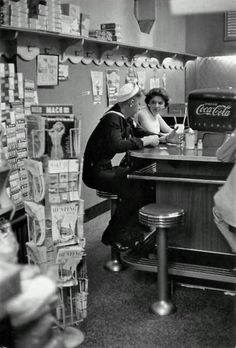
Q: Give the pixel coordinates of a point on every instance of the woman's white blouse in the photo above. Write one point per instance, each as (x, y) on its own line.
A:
(151, 122)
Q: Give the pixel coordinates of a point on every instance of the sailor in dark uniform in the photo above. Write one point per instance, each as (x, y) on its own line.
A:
(116, 133)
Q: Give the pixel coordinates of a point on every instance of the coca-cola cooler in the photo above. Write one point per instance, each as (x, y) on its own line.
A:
(212, 110)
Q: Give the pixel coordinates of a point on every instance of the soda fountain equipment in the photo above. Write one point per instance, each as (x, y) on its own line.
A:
(212, 112)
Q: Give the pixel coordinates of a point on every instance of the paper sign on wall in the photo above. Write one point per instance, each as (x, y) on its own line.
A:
(154, 82)
(47, 70)
(131, 76)
(63, 72)
(97, 86)
(141, 79)
(113, 85)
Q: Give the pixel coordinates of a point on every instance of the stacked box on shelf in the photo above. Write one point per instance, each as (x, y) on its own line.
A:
(114, 29)
(37, 14)
(55, 211)
(84, 24)
(54, 16)
(100, 34)
(4, 12)
(22, 147)
(70, 19)
(30, 95)
(12, 117)
(18, 13)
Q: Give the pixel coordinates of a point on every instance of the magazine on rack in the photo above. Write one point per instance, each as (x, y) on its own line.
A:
(36, 179)
(58, 127)
(36, 222)
(68, 257)
(64, 223)
(35, 135)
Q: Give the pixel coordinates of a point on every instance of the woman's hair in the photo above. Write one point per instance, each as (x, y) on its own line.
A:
(155, 92)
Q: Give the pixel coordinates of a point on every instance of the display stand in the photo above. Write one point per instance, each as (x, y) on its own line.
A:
(6, 205)
(55, 217)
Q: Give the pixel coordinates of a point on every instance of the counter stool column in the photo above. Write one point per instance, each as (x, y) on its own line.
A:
(113, 265)
(162, 217)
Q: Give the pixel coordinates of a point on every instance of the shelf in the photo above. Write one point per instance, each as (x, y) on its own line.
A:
(12, 33)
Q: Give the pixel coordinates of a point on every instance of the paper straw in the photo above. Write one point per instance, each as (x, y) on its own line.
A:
(185, 113)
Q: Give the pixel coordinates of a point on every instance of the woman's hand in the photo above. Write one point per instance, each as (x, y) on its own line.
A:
(174, 137)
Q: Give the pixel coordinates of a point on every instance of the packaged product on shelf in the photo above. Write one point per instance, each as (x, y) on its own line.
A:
(70, 10)
(112, 26)
(30, 95)
(84, 24)
(7, 69)
(4, 12)
(70, 25)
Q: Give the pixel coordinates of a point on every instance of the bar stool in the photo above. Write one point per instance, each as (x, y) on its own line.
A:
(113, 265)
(162, 217)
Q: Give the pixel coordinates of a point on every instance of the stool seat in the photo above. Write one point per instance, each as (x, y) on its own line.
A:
(161, 216)
(108, 195)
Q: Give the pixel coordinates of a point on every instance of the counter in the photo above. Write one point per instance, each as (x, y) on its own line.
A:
(176, 153)
(188, 179)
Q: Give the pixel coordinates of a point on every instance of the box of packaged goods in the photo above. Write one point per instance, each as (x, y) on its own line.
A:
(70, 25)
(114, 29)
(70, 10)
(18, 14)
(84, 24)
(13, 120)
(100, 34)
(54, 16)
(4, 12)
(38, 16)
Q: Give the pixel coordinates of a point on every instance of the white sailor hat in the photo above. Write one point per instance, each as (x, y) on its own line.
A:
(127, 91)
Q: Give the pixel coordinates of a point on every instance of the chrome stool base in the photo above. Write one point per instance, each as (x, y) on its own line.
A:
(163, 307)
(162, 217)
(113, 266)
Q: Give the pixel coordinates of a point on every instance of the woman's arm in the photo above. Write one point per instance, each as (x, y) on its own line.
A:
(164, 126)
(143, 121)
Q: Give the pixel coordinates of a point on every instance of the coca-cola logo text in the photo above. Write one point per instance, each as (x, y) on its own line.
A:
(214, 110)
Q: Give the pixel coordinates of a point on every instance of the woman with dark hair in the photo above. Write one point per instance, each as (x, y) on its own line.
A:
(150, 119)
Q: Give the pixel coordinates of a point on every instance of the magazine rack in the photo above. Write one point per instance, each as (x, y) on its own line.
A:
(55, 216)
(6, 205)
(71, 276)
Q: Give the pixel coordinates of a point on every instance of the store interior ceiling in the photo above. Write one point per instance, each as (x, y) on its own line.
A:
(188, 7)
